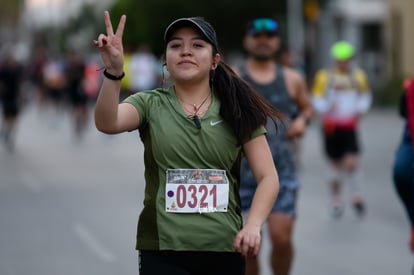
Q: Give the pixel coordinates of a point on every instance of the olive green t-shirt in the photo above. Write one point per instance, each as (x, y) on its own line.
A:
(172, 141)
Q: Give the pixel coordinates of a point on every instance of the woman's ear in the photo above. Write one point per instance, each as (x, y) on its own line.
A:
(164, 65)
(163, 60)
(216, 60)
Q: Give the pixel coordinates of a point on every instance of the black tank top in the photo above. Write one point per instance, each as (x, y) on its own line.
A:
(277, 94)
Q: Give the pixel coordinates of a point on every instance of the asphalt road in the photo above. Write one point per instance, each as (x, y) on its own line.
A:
(71, 207)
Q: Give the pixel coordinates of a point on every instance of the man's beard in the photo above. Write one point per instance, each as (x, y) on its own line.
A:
(262, 57)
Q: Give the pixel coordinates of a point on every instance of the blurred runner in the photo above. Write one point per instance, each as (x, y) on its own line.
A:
(35, 68)
(54, 84)
(143, 65)
(126, 85)
(286, 90)
(341, 95)
(74, 80)
(93, 79)
(284, 57)
(403, 169)
(11, 73)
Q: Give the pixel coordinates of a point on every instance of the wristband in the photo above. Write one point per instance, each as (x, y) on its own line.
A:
(113, 77)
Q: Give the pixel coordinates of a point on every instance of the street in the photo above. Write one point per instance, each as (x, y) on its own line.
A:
(71, 206)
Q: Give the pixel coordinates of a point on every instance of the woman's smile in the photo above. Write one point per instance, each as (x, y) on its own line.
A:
(187, 62)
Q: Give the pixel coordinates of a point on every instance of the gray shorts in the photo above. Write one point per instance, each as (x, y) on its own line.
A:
(285, 202)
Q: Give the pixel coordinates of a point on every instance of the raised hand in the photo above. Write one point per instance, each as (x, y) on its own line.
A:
(110, 45)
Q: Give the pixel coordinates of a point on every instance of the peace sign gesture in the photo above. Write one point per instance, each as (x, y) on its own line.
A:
(110, 45)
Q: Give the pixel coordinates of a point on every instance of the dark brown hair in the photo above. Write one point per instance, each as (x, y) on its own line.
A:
(241, 107)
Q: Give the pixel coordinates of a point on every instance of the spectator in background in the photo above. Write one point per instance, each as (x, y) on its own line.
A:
(341, 95)
(403, 169)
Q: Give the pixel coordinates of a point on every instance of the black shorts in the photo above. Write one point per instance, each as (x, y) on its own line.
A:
(340, 142)
(190, 263)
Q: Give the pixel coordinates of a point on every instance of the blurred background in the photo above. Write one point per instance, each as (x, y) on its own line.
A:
(70, 196)
(379, 29)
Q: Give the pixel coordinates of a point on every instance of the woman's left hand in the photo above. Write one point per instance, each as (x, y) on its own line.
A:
(247, 241)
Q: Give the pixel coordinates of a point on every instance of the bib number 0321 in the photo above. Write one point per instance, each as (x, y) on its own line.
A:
(204, 193)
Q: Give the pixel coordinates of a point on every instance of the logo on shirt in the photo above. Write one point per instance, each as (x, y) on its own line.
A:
(214, 123)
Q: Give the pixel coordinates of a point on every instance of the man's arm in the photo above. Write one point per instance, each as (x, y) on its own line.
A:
(365, 94)
(298, 90)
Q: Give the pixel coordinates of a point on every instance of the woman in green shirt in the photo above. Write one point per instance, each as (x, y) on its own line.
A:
(195, 133)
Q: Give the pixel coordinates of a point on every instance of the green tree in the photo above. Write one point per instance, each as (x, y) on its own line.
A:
(86, 25)
(10, 11)
(147, 20)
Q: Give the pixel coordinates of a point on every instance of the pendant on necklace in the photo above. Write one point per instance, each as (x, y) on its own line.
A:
(197, 121)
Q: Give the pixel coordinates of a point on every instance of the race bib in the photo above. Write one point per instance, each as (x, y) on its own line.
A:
(196, 191)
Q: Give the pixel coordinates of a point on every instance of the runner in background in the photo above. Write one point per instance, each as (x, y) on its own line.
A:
(145, 69)
(286, 90)
(341, 95)
(284, 58)
(11, 76)
(75, 68)
(403, 168)
(54, 85)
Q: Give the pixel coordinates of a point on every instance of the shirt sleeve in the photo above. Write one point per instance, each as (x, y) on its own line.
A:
(365, 97)
(362, 80)
(318, 91)
(320, 83)
(258, 132)
(141, 102)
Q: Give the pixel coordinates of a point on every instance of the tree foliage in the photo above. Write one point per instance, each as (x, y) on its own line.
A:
(10, 11)
(147, 20)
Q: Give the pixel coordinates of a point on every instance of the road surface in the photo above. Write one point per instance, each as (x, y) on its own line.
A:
(71, 207)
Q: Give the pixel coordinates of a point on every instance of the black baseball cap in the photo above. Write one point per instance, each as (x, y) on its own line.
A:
(199, 23)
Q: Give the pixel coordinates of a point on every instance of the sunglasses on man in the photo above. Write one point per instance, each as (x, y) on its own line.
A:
(263, 25)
